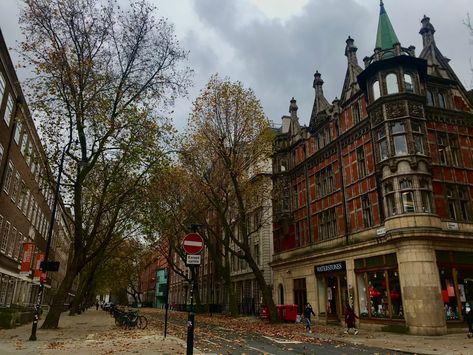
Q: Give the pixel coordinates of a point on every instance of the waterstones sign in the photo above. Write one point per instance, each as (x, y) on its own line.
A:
(334, 267)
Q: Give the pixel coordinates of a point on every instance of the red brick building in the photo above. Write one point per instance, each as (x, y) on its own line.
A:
(26, 195)
(373, 199)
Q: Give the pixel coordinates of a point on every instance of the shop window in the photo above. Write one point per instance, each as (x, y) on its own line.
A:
(418, 136)
(382, 143)
(376, 90)
(449, 295)
(396, 309)
(430, 98)
(379, 288)
(399, 138)
(322, 295)
(408, 83)
(391, 83)
(360, 154)
(407, 195)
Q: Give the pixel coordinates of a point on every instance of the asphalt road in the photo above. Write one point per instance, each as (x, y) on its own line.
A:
(212, 339)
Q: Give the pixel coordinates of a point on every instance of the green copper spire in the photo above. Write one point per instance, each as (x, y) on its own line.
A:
(386, 37)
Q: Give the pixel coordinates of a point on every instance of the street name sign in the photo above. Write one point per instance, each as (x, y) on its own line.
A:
(193, 243)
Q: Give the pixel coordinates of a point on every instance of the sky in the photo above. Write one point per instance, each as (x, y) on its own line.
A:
(275, 46)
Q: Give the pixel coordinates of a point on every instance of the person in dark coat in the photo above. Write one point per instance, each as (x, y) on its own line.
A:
(350, 319)
(469, 321)
(307, 313)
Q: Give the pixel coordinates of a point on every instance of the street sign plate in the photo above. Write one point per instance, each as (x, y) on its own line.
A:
(193, 259)
(193, 243)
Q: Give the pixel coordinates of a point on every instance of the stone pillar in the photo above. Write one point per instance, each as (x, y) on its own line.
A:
(420, 284)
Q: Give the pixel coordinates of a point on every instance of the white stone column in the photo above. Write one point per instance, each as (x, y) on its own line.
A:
(420, 284)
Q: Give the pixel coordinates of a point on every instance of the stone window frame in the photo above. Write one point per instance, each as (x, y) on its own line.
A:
(458, 202)
(361, 162)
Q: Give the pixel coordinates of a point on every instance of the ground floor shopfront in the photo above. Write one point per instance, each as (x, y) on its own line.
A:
(426, 285)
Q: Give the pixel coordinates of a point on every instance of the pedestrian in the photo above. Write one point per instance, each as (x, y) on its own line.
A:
(307, 313)
(97, 305)
(350, 319)
(469, 320)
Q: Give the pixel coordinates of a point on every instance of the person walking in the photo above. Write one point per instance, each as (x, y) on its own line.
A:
(97, 305)
(469, 321)
(350, 319)
(307, 314)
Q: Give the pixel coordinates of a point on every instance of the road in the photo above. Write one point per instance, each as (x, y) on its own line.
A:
(224, 335)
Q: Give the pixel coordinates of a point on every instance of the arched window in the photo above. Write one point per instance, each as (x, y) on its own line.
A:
(408, 83)
(391, 83)
(376, 90)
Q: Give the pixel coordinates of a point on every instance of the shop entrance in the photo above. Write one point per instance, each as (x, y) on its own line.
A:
(332, 290)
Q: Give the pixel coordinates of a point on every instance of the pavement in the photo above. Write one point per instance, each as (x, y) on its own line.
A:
(90, 333)
(450, 344)
(94, 333)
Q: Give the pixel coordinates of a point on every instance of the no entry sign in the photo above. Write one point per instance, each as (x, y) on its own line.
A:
(193, 243)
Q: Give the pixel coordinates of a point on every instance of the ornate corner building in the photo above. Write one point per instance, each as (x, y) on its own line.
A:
(373, 200)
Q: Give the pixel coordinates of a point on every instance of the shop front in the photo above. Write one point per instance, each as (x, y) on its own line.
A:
(379, 289)
(456, 282)
(332, 291)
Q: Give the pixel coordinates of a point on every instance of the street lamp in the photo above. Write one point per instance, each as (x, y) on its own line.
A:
(48, 244)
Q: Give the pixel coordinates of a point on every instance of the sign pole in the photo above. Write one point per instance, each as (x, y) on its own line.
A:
(190, 319)
(193, 244)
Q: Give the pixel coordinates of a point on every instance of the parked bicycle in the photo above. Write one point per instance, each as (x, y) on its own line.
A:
(129, 319)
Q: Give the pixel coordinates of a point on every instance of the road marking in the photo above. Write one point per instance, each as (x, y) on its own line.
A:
(283, 341)
(262, 351)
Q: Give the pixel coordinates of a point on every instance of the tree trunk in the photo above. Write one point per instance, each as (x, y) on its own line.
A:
(264, 287)
(52, 318)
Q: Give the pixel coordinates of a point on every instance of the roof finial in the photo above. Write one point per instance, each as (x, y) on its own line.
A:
(386, 37)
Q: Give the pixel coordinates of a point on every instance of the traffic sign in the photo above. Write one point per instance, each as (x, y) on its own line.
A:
(193, 243)
(193, 259)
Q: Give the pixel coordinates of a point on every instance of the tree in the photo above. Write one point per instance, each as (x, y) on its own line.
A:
(101, 73)
(229, 155)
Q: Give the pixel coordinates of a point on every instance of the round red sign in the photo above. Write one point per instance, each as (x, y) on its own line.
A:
(193, 243)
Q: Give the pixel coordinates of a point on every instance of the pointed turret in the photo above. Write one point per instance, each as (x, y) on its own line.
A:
(320, 102)
(350, 85)
(437, 64)
(386, 37)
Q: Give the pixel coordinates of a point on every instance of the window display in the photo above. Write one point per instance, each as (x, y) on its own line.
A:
(379, 290)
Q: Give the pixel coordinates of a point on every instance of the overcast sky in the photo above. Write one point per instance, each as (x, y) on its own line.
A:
(275, 46)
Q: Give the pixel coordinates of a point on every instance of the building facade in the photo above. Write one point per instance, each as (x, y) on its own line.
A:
(373, 199)
(26, 197)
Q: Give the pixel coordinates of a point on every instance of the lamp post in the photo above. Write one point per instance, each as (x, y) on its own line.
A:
(39, 298)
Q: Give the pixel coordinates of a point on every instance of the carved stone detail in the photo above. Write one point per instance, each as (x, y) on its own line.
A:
(415, 109)
(377, 116)
(395, 109)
